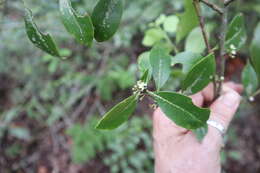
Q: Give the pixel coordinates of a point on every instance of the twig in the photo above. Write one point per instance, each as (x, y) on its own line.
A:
(222, 38)
(227, 2)
(212, 6)
(256, 93)
(202, 24)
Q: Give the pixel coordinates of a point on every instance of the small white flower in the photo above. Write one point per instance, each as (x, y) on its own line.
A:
(139, 87)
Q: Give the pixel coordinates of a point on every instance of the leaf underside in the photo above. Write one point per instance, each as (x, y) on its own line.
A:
(188, 20)
(187, 59)
(249, 79)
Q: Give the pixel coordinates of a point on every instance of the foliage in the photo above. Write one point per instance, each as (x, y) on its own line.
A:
(202, 70)
(118, 153)
(53, 92)
(118, 114)
(79, 26)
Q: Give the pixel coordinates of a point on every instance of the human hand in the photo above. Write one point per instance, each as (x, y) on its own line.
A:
(178, 151)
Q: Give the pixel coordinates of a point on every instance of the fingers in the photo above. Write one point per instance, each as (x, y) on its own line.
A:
(208, 92)
(163, 127)
(231, 85)
(222, 111)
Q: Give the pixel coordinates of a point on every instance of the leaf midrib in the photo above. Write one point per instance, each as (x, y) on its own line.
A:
(176, 106)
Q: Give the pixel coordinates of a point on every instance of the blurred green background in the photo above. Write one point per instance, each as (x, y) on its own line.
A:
(48, 106)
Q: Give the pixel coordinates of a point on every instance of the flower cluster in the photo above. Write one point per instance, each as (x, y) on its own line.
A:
(139, 87)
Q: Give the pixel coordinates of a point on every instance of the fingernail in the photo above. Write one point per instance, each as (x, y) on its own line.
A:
(231, 99)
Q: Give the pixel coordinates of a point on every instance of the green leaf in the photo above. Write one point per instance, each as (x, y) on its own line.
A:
(195, 42)
(249, 79)
(161, 65)
(40, 40)
(199, 76)
(152, 36)
(80, 27)
(170, 24)
(236, 34)
(144, 64)
(188, 20)
(145, 77)
(106, 18)
(201, 132)
(186, 59)
(255, 51)
(160, 20)
(118, 114)
(181, 110)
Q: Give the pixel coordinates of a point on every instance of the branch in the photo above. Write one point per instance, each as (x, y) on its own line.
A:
(212, 6)
(227, 2)
(202, 24)
(222, 38)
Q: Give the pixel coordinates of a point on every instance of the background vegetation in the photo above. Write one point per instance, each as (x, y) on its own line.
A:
(48, 106)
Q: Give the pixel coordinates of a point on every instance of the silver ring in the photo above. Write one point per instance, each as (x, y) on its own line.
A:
(217, 126)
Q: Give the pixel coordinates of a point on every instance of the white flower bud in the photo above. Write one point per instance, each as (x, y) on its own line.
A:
(251, 99)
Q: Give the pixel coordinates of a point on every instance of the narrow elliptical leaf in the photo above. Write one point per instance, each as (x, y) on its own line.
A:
(255, 51)
(40, 40)
(249, 79)
(80, 27)
(200, 74)
(181, 110)
(118, 114)
(145, 67)
(106, 18)
(236, 34)
(160, 61)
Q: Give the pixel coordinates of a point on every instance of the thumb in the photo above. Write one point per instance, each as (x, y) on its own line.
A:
(222, 111)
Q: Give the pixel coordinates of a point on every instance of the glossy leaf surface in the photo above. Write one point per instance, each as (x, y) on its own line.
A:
(118, 114)
(181, 110)
(160, 61)
(255, 51)
(80, 27)
(200, 74)
(106, 18)
(40, 40)
(236, 34)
